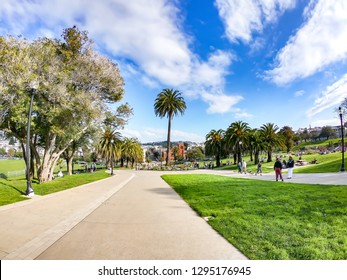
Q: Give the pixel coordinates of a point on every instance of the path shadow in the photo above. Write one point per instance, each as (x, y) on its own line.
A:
(165, 191)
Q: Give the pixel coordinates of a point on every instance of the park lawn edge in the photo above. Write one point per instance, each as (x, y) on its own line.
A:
(13, 190)
(286, 220)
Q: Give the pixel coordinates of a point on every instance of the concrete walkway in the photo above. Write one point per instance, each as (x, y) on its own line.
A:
(337, 178)
(133, 215)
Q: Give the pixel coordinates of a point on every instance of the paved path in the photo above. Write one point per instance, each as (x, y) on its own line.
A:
(338, 178)
(133, 215)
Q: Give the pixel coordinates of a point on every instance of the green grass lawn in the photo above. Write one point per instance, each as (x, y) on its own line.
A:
(11, 165)
(13, 189)
(271, 220)
(326, 163)
(7, 165)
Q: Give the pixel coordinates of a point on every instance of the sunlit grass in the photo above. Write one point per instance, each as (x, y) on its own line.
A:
(13, 189)
(271, 220)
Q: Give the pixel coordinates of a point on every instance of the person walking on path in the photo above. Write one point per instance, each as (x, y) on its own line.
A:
(244, 167)
(239, 167)
(290, 165)
(278, 169)
(259, 170)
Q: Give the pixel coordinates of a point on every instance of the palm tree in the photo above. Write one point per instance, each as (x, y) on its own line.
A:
(169, 103)
(110, 147)
(257, 144)
(237, 137)
(131, 151)
(214, 144)
(271, 138)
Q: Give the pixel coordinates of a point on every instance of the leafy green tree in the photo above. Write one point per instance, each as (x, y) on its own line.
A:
(237, 137)
(175, 152)
(11, 152)
(214, 144)
(271, 138)
(327, 132)
(110, 147)
(169, 103)
(305, 135)
(195, 153)
(288, 137)
(76, 84)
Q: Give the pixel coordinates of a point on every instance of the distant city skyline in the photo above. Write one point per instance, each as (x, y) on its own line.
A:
(275, 61)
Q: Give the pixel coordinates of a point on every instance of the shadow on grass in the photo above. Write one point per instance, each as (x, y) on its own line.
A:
(13, 187)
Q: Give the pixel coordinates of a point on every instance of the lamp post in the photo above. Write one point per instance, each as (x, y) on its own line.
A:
(240, 147)
(29, 190)
(343, 143)
(112, 151)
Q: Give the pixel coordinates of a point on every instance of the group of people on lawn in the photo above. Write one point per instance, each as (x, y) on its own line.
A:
(278, 166)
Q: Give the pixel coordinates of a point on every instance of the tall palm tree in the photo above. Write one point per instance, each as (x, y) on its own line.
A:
(237, 137)
(110, 147)
(271, 138)
(214, 144)
(168, 104)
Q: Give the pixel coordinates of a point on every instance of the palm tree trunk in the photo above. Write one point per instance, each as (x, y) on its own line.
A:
(218, 160)
(269, 156)
(168, 141)
(256, 156)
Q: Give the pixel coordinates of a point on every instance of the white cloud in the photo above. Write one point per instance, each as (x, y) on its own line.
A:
(299, 93)
(321, 123)
(220, 103)
(146, 34)
(243, 18)
(332, 96)
(242, 114)
(321, 41)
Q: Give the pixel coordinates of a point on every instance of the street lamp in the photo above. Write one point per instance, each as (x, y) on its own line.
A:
(240, 146)
(343, 144)
(112, 151)
(33, 87)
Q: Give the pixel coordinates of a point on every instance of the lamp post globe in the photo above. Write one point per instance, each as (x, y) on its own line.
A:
(343, 143)
(29, 190)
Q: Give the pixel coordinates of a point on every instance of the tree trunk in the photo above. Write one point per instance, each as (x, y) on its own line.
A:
(239, 157)
(37, 159)
(218, 160)
(168, 141)
(256, 157)
(70, 165)
(269, 156)
(49, 160)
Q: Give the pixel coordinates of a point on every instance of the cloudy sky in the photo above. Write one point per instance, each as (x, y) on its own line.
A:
(259, 61)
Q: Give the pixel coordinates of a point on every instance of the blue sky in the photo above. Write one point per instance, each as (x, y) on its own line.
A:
(260, 61)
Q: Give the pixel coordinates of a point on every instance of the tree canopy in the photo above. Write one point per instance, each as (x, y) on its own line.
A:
(75, 87)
